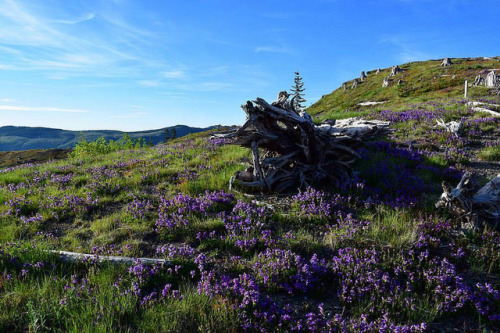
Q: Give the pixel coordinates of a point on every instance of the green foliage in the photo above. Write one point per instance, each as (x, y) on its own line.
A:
(102, 147)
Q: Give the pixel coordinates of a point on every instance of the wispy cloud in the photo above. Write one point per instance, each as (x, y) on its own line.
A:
(133, 115)
(274, 49)
(83, 18)
(33, 38)
(149, 83)
(14, 108)
(407, 46)
(175, 74)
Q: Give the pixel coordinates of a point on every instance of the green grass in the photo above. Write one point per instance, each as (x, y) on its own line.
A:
(490, 154)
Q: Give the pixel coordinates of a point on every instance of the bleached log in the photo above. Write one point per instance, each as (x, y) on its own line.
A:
(478, 109)
(78, 257)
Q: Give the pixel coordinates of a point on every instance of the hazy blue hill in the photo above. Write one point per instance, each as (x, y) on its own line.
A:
(25, 138)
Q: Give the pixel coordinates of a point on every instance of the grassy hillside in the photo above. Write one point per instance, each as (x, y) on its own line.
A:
(422, 81)
(371, 256)
(14, 138)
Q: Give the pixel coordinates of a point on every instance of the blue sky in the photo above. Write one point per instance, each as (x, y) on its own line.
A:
(137, 65)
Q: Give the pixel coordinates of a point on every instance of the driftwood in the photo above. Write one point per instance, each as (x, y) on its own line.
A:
(454, 127)
(290, 152)
(490, 106)
(472, 206)
(78, 257)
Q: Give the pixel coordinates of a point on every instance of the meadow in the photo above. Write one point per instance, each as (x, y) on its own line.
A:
(373, 255)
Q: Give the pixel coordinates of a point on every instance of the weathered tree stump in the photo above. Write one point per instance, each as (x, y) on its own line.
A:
(491, 80)
(386, 82)
(478, 81)
(446, 62)
(470, 205)
(395, 70)
(290, 152)
(362, 77)
(355, 83)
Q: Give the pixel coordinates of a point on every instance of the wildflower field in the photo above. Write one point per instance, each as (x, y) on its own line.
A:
(371, 256)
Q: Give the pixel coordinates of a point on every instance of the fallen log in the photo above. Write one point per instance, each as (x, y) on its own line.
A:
(471, 206)
(78, 257)
(290, 151)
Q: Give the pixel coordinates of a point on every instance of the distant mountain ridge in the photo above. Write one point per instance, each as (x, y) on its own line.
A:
(14, 138)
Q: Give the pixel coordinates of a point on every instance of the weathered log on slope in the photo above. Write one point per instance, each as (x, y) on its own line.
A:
(470, 205)
(289, 151)
(78, 257)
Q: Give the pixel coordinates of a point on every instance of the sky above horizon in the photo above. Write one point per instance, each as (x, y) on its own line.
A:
(136, 65)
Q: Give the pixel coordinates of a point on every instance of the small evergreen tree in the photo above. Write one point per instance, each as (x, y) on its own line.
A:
(298, 92)
(167, 136)
(174, 133)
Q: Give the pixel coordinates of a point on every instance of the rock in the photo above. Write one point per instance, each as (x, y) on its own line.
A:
(446, 62)
(363, 76)
(344, 86)
(378, 71)
(400, 81)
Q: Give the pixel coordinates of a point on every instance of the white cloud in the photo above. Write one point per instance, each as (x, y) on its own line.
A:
(149, 83)
(273, 49)
(83, 18)
(175, 74)
(14, 108)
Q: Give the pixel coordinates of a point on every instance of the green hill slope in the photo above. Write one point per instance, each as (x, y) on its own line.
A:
(422, 81)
